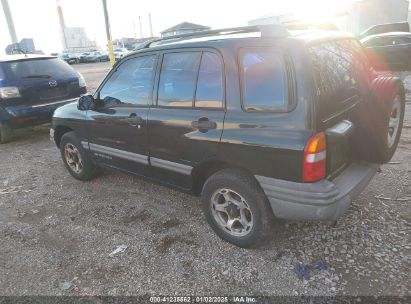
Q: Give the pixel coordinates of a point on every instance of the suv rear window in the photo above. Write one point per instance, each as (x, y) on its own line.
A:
(38, 68)
(341, 72)
(264, 80)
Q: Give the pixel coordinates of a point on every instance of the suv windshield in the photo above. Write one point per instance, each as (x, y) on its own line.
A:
(38, 68)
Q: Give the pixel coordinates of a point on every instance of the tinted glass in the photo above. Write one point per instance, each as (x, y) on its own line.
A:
(131, 83)
(341, 71)
(384, 41)
(45, 68)
(264, 80)
(209, 91)
(2, 76)
(402, 40)
(178, 79)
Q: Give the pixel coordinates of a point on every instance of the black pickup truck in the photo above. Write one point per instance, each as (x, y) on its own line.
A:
(260, 122)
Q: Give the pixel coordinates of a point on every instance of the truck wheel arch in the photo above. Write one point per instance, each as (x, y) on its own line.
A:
(203, 171)
(59, 132)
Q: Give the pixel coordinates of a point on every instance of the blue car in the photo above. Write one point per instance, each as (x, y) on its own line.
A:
(31, 88)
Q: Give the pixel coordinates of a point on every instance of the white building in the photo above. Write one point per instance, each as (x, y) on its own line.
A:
(76, 40)
(366, 13)
(183, 28)
(358, 16)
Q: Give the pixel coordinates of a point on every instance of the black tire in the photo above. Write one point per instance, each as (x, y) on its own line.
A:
(6, 133)
(386, 92)
(249, 189)
(88, 169)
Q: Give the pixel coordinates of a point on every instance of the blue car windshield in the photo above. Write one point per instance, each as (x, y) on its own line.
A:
(38, 68)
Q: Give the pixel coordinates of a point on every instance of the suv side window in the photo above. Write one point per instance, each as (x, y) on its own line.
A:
(401, 40)
(2, 76)
(178, 79)
(209, 93)
(380, 41)
(131, 83)
(264, 80)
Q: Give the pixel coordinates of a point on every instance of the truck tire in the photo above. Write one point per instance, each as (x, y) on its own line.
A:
(383, 119)
(236, 208)
(6, 133)
(75, 158)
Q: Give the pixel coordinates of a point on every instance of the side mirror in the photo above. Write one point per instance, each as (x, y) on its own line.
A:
(86, 102)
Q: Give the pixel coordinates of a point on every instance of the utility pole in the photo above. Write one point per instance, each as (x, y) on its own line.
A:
(141, 28)
(108, 33)
(9, 20)
(134, 26)
(62, 25)
(151, 25)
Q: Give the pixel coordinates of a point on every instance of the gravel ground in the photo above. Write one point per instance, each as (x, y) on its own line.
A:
(57, 234)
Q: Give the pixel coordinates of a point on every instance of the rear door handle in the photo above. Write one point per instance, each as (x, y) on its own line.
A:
(204, 124)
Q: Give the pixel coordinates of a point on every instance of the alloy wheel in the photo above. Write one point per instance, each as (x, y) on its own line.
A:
(73, 158)
(394, 121)
(231, 212)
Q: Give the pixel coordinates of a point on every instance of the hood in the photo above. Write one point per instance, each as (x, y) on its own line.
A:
(67, 110)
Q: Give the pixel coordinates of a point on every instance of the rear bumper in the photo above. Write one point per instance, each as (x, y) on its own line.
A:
(323, 200)
(23, 115)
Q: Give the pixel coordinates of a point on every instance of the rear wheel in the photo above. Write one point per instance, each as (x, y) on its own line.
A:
(387, 132)
(75, 158)
(6, 133)
(379, 121)
(236, 208)
(394, 123)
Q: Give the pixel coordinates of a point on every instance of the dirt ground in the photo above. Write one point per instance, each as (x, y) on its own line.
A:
(57, 233)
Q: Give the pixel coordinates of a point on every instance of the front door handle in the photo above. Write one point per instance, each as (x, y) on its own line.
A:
(204, 124)
(134, 120)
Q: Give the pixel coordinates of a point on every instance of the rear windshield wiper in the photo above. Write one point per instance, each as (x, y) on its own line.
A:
(37, 76)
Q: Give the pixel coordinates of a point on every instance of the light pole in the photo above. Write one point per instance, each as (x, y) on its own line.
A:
(108, 34)
(9, 20)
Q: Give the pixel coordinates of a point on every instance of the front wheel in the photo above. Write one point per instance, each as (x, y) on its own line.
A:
(236, 208)
(77, 162)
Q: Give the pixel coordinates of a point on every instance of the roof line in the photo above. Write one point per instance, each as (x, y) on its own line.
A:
(277, 31)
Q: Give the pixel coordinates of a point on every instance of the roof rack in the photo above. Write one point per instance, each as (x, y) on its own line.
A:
(272, 30)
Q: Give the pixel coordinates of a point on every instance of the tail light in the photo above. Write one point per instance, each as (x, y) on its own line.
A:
(9, 92)
(315, 153)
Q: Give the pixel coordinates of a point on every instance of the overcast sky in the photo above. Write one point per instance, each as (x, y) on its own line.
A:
(39, 20)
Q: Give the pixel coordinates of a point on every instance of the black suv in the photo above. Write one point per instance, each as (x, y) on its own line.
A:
(31, 88)
(389, 51)
(260, 122)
